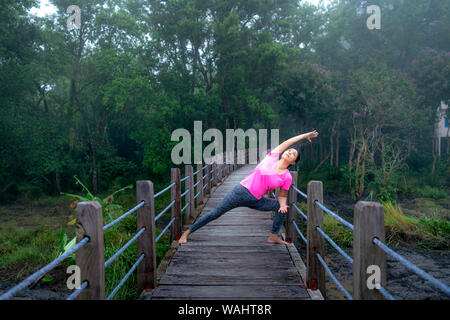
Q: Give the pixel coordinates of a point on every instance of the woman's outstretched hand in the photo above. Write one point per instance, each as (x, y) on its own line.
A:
(283, 209)
(312, 134)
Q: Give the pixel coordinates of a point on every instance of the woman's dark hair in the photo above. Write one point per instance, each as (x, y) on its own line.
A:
(298, 155)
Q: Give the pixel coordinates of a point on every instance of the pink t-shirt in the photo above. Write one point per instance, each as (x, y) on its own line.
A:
(265, 177)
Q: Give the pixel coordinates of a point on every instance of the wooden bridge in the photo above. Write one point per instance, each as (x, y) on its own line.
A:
(230, 258)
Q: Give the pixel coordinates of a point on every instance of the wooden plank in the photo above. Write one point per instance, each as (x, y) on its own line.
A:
(232, 249)
(250, 256)
(234, 276)
(230, 292)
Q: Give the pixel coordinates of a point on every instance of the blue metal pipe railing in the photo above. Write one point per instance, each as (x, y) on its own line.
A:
(299, 232)
(412, 267)
(77, 292)
(165, 209)
(300, 192)
(333, 277)
(346, 256)
(116, 289)
(165, 229)
(164, 190)
(300, 211)
(121, 250)
(334, 215)
(126, 214)
(38, 274)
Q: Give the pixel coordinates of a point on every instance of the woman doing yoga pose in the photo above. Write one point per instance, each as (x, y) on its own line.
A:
(271, 173)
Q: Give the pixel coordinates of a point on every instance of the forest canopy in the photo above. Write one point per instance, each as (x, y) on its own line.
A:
(102, 100)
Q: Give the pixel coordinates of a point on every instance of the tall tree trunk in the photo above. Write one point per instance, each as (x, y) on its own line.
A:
(338, 135)
(332, 144)
(433, 147)
(58, 182)
(351, 155)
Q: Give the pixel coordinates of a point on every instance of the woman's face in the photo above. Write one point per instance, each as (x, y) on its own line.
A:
(290, 155)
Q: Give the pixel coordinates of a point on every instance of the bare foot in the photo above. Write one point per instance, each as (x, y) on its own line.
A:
(183, 238)
(273, 238)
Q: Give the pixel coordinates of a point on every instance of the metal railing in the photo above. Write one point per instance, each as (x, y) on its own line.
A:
(359, 210)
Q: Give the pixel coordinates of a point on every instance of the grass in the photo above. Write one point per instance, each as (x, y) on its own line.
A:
(428, 231)
(431, 192)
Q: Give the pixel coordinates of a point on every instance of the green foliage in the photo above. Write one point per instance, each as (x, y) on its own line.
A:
(430, 231)
(431, 192)
(27, 248)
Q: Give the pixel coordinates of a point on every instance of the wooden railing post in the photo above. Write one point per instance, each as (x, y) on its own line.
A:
(315, 275)
(146, 270)
(200, 185)
(175, 210)
(208, 179)
(187, 185)
(213, 175)
(222, 171)
(291, 233)
(91, 257)
(368, 258)
(190, 209)
(227, 165)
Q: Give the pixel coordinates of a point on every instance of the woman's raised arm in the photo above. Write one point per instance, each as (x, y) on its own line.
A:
(286, 144)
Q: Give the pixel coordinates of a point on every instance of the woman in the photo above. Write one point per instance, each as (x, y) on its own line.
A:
(269, 174)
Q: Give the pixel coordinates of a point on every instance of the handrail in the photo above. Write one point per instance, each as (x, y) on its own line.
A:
(113, 293)
(384, 292)
(121, 250)
(126, 214)
(334, 215)
(412, 267)
(298, 191)
(77, 292)
(165, 189)
(342, 252)
(164, 230)
(300, 211)
(185, 178)
(197, 194)
(327, 269)
(165, 209)
(38, 274)
(299, 232)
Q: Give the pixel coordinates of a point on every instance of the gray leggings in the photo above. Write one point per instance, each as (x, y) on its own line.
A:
(241, 197)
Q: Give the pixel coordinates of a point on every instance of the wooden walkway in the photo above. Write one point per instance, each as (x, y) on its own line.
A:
(229, 258)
